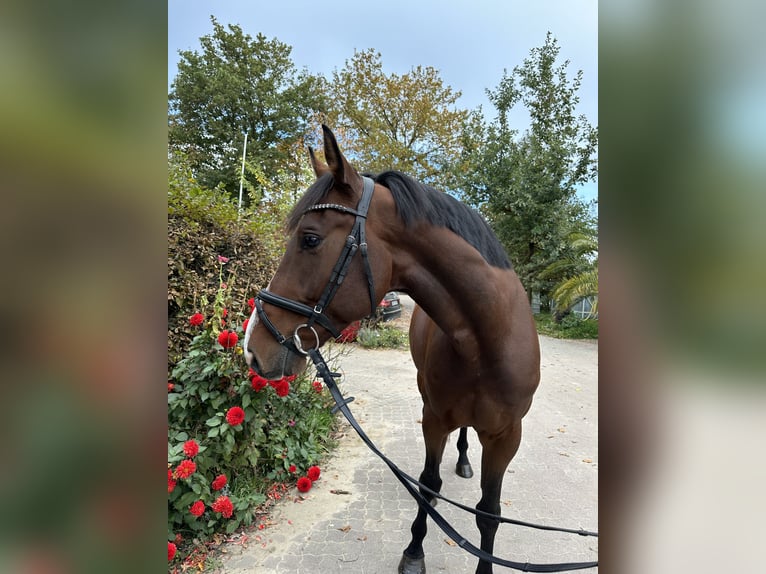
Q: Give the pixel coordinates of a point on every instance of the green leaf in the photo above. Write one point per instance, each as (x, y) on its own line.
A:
(245, 400)
(213, 432)
(232, 526)
(214, 421)
(186, 500)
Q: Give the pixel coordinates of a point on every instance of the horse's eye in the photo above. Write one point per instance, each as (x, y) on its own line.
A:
(310, 242)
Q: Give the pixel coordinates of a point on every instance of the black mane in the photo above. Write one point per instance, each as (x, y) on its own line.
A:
(416, 202)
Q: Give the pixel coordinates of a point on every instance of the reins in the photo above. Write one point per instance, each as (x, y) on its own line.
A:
(410, 484)
(356, 241)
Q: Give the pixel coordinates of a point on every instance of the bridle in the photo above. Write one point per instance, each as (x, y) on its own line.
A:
(355, 241)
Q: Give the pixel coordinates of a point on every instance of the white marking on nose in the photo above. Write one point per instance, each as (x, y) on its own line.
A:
(251, 323)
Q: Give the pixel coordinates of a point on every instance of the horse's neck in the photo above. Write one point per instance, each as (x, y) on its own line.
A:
(453, 284)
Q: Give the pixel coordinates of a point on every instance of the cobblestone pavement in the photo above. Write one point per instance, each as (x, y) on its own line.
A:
(552, 480)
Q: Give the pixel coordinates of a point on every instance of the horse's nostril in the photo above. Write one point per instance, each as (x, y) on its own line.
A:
(252, 361)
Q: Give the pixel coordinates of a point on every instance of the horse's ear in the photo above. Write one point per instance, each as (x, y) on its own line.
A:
(337, 163)
(319, 168)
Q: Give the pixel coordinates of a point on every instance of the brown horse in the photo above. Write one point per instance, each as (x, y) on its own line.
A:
(472, 335)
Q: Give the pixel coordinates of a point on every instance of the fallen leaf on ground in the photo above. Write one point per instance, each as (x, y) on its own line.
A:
(337, 491)
(450, 542)
(345, 528)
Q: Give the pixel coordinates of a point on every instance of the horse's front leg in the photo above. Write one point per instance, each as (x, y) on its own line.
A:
(435, 435)
(496, 453)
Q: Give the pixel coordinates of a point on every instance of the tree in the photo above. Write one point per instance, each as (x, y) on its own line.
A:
(239, 85)
(408, 122)
(578, 273)
(525, 184)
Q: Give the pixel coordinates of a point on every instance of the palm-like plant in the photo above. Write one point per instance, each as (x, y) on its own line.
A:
(576, 285)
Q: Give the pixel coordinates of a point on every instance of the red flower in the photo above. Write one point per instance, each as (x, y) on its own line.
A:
(198, 508)
(224, 506)
(191, 448)
(227, 339)
(219, 482)
(251, 303)
(235, 416)
(186, 469)
(170, 386)
(245, 324)
(171, 551)
(349, 334)
(317, 386)
(313, 473)
(304, 484)
(292, 468)
(222, 259)
(196, 319)
(258, 383)
(282, 387)
(225, 313)
(171, 482)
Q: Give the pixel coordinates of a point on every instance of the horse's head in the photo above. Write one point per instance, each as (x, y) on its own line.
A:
(334, 271)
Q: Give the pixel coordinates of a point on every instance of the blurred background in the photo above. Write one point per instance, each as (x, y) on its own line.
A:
(83, 150)
(683, 244)
(82, 173)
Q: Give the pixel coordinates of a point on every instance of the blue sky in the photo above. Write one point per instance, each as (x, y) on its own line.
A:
(470, 42)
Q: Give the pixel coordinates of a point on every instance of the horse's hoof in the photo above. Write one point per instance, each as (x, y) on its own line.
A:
(409, 565)
(464, 470)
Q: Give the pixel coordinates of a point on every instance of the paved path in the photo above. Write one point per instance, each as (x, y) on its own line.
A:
(552, 480)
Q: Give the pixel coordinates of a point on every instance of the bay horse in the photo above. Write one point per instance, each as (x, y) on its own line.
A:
(472, 336)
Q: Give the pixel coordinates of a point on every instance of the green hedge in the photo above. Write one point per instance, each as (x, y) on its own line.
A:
(203, 225)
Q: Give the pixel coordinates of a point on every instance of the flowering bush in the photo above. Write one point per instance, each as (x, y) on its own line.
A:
(233, 435)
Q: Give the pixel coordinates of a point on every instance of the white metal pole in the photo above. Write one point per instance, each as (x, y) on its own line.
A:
(242, 174)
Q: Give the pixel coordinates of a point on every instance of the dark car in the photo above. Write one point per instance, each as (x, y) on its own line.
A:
(390, 307)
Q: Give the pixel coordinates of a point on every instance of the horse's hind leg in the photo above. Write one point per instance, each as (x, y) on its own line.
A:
(497, 452)
(435, 435)
(463, 466)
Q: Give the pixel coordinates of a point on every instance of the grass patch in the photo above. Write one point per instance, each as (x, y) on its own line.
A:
(383, 337)
(570, 327)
